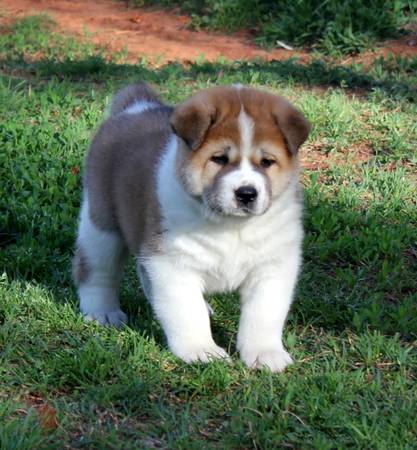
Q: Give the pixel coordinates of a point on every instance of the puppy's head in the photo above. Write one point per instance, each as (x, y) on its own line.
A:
(238, 148)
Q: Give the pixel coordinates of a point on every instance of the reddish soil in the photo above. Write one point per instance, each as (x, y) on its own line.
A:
(164, 36)
(159, 35)
(313, 157)
(406, 46)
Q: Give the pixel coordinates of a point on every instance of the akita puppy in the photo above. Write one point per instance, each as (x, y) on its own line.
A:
(206, 196)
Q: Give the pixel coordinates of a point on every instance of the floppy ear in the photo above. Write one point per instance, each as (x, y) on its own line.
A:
(191, 121)
(292, 123)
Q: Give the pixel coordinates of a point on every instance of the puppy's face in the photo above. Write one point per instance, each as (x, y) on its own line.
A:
(239, 148)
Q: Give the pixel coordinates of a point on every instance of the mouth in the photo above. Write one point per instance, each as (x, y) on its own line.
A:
(247, 208)
(236, 211)
(254, 209)
(215, 208)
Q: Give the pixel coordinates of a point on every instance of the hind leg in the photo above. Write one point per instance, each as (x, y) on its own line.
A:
(98, 268)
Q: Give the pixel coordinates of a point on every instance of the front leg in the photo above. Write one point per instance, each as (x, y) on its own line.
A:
(176, 294)
(266, 298)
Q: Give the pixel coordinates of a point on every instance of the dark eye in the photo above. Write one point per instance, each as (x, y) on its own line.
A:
(221, 160)
(265, 162)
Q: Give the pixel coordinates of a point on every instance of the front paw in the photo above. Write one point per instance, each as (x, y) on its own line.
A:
(116, 318)
(199, 352)
(275, 360)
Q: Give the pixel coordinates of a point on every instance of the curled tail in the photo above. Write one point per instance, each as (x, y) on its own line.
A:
(134, 93)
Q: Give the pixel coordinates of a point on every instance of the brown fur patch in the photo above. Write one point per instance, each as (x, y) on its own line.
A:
(217, 128)
(275, 118)
(279, 130)
(208, 115)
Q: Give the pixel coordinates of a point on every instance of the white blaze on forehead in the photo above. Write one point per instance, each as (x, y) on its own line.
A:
(245, 174)
(246, 127)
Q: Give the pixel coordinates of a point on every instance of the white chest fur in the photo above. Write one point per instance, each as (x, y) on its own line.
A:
(222, 251)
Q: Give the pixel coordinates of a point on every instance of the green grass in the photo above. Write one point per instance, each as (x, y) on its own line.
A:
(352, 329)
(334, 27)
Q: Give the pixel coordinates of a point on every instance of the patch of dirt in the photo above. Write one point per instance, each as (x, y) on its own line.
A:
(162, 36)
(405, 46)
(314, 158)
(158, 35)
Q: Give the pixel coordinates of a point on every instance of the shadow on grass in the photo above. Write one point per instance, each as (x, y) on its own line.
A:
(395, 77)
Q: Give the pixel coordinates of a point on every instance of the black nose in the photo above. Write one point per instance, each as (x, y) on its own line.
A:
(246, 194)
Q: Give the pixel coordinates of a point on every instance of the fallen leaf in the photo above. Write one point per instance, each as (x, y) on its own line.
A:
(47, 417)
(75, 170)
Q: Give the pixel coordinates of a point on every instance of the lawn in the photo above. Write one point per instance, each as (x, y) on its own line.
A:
(353, 327)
